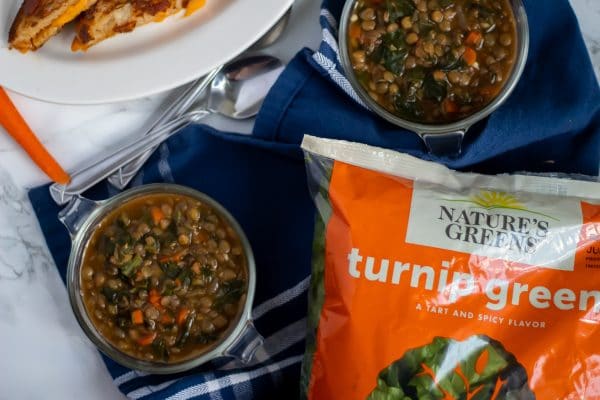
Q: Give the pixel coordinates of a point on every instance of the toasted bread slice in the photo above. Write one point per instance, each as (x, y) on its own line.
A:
(39, 20)
(110, 17)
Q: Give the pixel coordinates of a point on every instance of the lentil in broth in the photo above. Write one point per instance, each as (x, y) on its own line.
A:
(163, 278)
(432, 61)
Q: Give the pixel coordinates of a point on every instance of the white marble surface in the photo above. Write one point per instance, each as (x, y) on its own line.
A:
(43, 353)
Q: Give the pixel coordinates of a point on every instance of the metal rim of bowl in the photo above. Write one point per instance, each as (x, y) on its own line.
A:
(522, 28)
(79, 244)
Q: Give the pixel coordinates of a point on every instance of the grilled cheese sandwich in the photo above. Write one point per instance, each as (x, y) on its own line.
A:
(111, 17)
(71, 14)
(39, 20)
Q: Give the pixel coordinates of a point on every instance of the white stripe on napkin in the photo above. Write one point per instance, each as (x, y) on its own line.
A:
(129, 376)
(273, 345)
(148, 390)
(332, 42)
(281, 298)
(216, 396)
(244, 391)
(234, 379)
(337, 77)
(281, 340)
(259, 311)
(330, 18)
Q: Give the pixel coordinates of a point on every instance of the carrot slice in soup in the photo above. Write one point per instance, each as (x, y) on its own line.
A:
(470, 56)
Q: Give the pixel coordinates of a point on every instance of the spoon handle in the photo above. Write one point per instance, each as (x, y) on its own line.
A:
(124, 175)
(108, 164)
(121, 178)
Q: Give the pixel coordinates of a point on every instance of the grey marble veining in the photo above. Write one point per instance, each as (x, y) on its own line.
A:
(39, 338)
(22, 255)
(588, 14)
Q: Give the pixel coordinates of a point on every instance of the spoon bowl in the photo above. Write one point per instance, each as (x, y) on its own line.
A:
(239, 90)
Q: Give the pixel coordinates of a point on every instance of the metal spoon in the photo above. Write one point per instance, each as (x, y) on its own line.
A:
(194, 91)
(237, 91)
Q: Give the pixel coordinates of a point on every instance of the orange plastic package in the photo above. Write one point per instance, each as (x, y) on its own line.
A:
(433, 284)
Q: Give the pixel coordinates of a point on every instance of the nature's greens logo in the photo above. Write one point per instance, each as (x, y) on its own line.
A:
(498, 200)
(495, 219)
(490, 200)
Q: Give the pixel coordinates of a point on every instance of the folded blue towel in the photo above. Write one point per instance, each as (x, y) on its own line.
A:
(263, 185)
(552, 122)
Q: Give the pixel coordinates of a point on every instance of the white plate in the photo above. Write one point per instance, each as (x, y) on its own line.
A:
(153, 58)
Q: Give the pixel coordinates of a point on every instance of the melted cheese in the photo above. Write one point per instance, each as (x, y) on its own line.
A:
(71, 13)
(193, 6)
(160, 16)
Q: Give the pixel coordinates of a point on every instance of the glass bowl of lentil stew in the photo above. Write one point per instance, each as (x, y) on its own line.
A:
(161, 278)
(434, 67)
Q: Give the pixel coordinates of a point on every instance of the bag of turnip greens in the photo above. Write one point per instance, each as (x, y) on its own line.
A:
(433, 284)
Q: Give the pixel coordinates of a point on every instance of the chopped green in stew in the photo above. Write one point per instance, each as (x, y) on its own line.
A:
(164, 276)
(432, 61)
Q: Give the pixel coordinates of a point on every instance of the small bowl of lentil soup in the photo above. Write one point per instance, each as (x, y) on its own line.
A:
(161, 278)
(434, 67)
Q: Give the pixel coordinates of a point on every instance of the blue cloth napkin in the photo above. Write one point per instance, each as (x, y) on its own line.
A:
(263, 185)
(551, 122)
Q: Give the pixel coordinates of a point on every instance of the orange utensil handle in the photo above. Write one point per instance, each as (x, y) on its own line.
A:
(15, 125)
